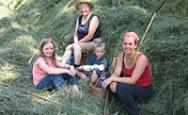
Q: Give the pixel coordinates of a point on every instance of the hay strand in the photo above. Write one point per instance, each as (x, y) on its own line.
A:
(28, 93)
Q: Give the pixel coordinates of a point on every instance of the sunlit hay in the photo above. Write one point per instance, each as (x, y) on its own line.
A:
(8, 72)
(69, 7)
(15, 4)
(5, 12)
(144, 11)
(24, 40)
(16, 25)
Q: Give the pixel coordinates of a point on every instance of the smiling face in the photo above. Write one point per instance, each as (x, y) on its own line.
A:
(129, 45)
(99, 52)
(84, 8)
(48, 50)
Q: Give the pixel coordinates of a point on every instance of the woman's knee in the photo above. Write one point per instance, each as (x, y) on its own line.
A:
(77, 47)
(122, 87)
(69, 47)
(113, 87)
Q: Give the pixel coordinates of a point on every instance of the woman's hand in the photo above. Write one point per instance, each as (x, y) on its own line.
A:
(107, 82)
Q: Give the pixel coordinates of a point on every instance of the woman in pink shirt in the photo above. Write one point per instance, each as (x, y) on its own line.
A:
(135, 84)
(48, 71)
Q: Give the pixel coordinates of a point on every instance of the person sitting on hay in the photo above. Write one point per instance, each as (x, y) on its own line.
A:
(97, 66)
(87, 33)
(136, 83)
(48, 73)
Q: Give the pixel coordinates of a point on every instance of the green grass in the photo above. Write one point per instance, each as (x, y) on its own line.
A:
(23, 23)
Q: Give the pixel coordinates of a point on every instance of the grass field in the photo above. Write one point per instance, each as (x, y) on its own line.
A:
(23, 23)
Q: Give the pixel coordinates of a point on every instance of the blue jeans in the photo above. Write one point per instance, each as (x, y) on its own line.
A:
(128, 95)
(71, 79)
(56, 81)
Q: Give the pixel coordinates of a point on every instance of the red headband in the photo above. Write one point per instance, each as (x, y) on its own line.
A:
(132, 35)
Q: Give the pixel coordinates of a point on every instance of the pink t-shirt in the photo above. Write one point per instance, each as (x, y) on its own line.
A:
(38, 73)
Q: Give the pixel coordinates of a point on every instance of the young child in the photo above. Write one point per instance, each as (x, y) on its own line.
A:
(97, 66)
(49, 72)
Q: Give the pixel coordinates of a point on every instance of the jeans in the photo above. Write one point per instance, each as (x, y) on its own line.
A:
(56, 81)
(71, 79)
(128, 95)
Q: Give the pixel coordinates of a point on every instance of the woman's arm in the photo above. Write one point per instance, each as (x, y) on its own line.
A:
(140, 66)
(63, 65)
(92, 28)
(51, 70)
(75, 32)
(117, 70)
(70, 68)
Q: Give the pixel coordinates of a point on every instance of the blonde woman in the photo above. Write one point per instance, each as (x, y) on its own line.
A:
(87, 33)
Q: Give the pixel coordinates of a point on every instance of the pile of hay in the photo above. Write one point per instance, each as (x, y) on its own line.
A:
(23, 23)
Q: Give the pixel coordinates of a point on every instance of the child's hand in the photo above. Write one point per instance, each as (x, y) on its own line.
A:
(72, 71)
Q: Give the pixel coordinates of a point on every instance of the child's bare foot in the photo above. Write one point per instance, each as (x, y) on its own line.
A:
(81, 75)
(75, 87)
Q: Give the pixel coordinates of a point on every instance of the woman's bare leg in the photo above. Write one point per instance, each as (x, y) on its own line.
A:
(77, 54)
(67, 53)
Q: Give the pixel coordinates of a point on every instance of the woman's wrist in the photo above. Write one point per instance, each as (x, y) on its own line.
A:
(67, 66)
(112, 79)
(113, 75)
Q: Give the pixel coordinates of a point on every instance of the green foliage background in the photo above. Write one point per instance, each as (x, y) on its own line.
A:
(23, 23)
